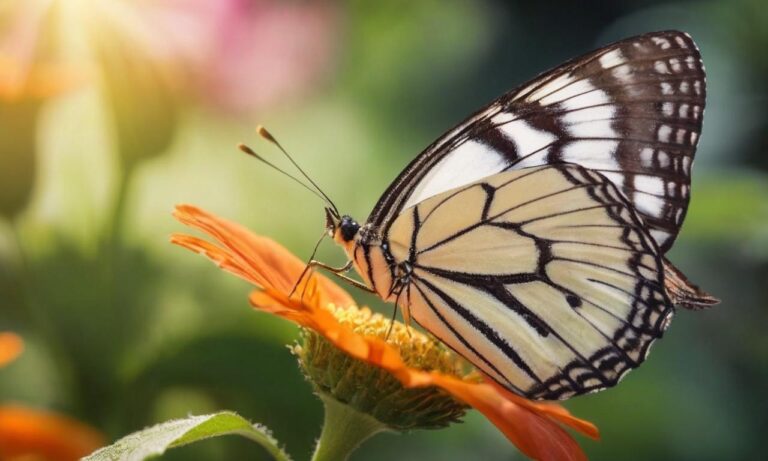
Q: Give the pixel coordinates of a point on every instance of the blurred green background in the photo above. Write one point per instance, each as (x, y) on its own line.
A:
(112, 112)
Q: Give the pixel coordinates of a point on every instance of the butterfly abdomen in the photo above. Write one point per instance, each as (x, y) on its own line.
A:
(683, 292)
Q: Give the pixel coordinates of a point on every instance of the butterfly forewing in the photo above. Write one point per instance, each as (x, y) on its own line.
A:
(631, 110)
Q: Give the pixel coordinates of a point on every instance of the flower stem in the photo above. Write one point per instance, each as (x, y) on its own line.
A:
(116, 222)
(344, 429)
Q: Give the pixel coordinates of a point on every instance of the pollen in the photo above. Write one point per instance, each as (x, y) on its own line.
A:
(374, 391)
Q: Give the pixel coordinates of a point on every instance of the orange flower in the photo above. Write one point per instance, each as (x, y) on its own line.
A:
(534, 427)
(34, 434)
(27, 434)
(11, 346)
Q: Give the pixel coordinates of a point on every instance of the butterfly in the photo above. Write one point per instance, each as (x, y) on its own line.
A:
(530, 238)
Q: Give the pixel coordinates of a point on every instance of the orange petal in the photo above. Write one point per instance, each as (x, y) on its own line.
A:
(321, 320)
(553, 411)
(36, 434)
(11, 346)
(532, 430)
(257, 259)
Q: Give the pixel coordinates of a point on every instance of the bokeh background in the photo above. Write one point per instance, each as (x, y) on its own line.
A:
(112, 112)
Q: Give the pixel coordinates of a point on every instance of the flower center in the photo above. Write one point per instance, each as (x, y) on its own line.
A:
(375, 391)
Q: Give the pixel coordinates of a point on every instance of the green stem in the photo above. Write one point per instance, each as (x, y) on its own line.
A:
(344, 429)
(113, 253)
(117, 219)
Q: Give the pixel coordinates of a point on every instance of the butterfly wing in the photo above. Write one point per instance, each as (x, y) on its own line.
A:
(545, 278)
(631, 110)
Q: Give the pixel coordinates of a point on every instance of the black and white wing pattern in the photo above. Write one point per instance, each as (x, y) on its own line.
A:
(631, 111)
(545, 278)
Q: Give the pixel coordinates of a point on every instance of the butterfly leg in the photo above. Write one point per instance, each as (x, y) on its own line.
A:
(406, 309)
(401, 284)
(394, 316)
(339, 272)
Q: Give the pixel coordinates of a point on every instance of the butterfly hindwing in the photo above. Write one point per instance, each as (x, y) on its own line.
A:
(631, 110)
(544, 278)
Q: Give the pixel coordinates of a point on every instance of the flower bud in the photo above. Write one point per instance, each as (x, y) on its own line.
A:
(139, 90)
(18, 121)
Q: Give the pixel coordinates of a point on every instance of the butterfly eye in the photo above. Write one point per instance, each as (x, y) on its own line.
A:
(349, 228)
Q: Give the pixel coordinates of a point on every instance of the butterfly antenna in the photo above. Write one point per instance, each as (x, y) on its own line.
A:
(268, 136)
(258, 157)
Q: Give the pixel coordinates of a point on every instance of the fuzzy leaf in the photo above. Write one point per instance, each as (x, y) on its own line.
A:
(154, 441)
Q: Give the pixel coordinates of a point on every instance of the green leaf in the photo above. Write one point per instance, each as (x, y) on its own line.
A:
(155, 440)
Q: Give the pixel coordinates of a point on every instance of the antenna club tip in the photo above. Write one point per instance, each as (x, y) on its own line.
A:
(264, 133)
(245, 148)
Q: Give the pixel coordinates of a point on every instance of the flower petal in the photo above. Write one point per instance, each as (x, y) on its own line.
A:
(257, 259)
(11, 346)
(553, 411)
(36, 434)
(321, 320)
(524, 424)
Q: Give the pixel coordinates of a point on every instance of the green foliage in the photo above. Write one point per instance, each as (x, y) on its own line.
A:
(730, 206)
(154, 441)
(123, 330)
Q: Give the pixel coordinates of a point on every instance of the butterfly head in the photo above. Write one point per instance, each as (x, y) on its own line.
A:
(342, 229)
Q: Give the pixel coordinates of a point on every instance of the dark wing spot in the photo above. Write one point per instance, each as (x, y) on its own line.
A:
(573, 300)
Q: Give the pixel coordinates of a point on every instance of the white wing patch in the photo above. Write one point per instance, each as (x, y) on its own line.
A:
(612, 58)
(599, 113)
(596, 154)
(467, 163)
(649, 204)
(527, 138)
(650, 184)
